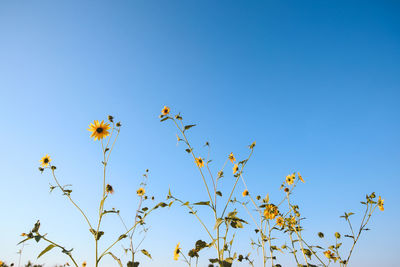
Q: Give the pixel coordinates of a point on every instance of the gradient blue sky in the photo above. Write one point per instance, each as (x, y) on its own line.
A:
(315, 83)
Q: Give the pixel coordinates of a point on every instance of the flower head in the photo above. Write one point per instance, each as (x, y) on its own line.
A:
(84, 264)
(99, 129)
(235, 168)
(245, 193)
(290, 179)
(280, 221)
(271, 211)
(109, 189)
(177, 250)
(301, 178)
(291, 221)
(232, 158)
(199, 162)
(140, 192)
(328, 254)
(165, 110)
(45, 161)
(380, 203)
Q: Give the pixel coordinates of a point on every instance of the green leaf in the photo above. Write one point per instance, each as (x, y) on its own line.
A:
(26, 239)
(164, 119)
(204, 203)
(37, 238)
(187, 127)
(145, 252)
(115, 258)
(49, 247)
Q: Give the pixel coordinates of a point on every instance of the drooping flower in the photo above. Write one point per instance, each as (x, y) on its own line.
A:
(199, 162)
(165, 110)
(380, 203)
(235, 168)
(177, 250)
(232, 158)
(99, 130)
(45, 161)
(290, 179)
(301, 178)
(109, 189)
(271, 211)
(245, 193)
(140, 192)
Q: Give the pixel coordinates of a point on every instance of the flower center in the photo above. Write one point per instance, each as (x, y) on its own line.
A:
(99, 130)
(46, 160)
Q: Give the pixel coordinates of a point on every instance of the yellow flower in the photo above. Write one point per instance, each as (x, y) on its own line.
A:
(232, 158)
(245, 193)
(199, 162)
(176, 252)
(235, 168)
(328, 254)
(291, 221)
(45, 161)
(301, 178)
(1, 263)
(109, 189)
(23, 234)
(84, 264)
(165, 110)
(271, 211)
(280, 221)
(99, 130)
(141, 191)
(380, 203)
(290, 179)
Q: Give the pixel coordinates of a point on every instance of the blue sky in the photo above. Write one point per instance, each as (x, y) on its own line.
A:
(315, 83)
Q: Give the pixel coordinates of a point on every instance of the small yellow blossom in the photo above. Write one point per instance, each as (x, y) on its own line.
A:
(232, 158)
(84, 264)
(292, 221)
(290, 179)
(45, 161)
(380, 203)
(199, 162)
(109, 189)
(141, 191)
(280, 221)
(301, 178)
(328, 254)
(271, 211)
(1, 263)
(235, 168)
(99, 130)
(245, 193)
(165, 110)
(176, 252)
(23, 234)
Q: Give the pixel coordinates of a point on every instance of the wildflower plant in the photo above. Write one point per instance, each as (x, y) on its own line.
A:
(276, 224)
(284, 220)
(221, 210)
(107, 134)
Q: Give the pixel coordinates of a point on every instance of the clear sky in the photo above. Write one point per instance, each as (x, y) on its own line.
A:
(315, 83)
